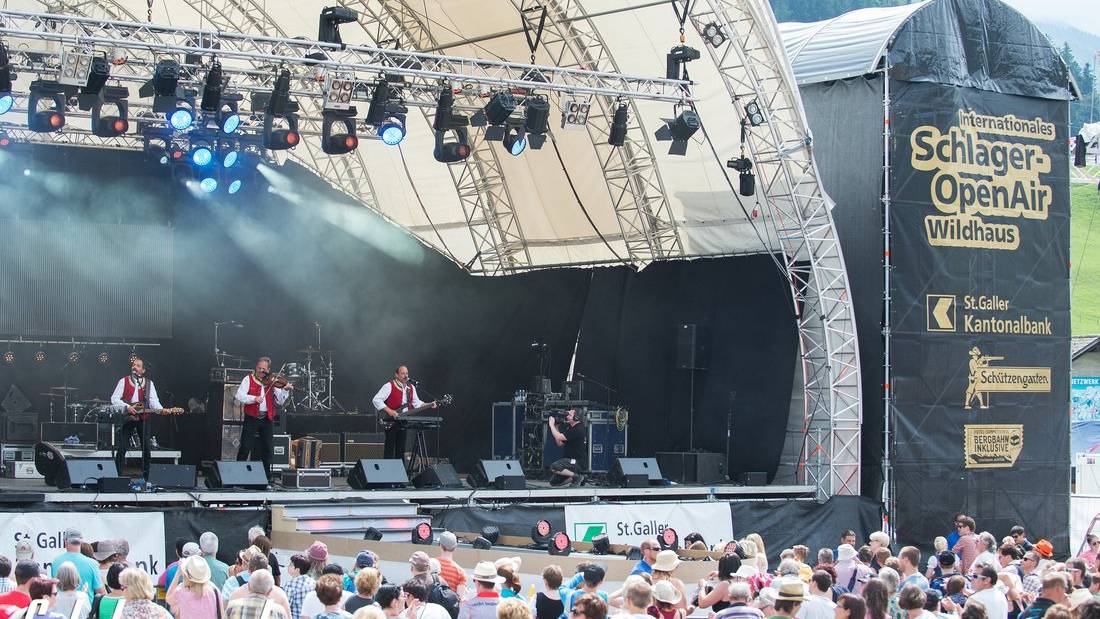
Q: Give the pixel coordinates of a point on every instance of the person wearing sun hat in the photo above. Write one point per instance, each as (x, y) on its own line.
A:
(663, 569)
(790, 593)
(193, 595)
(483, 605)
(666, 599)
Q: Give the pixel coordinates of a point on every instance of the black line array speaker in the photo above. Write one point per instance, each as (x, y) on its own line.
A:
(233, 474)
(691, 347)
(84, 473)
(500, 474)
(370, 473)
(173, 475)
(440, 475)
(636, 472)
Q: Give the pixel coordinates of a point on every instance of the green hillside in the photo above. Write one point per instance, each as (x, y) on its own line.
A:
(1085, 255)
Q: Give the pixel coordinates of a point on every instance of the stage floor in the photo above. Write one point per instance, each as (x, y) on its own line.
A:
(23, 491)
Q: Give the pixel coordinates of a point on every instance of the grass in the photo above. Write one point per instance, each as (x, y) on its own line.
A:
(1085, 256)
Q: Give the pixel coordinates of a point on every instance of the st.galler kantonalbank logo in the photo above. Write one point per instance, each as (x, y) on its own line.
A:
(984, 378)
(585, 531)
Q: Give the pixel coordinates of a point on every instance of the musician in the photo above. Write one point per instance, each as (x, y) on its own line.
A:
(573, 439)
(131, 390)
(259, 396)
(390, 399)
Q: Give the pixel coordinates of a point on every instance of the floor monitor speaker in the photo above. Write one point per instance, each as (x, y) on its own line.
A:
(369, 474)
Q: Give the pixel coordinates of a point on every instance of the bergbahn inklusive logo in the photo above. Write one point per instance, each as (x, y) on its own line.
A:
(981, 188)
(984, 378)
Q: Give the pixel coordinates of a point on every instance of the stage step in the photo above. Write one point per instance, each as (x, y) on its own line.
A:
(394, 519)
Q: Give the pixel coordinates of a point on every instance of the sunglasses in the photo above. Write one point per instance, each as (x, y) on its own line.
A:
(574, 612)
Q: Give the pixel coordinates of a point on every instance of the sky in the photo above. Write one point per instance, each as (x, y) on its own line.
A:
(1084, 14)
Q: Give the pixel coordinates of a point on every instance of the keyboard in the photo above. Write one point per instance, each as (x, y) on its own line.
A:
(423, 421)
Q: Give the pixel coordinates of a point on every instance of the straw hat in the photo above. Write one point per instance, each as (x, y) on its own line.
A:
(791, 590)
(196, 569)
(485, 571)
(665, 591)
(666, 561)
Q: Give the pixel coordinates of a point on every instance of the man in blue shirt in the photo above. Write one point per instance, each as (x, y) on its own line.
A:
(588, 579)
(649, 549)
(90, 582)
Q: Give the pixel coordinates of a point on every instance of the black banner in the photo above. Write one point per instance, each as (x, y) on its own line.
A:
(979, 221)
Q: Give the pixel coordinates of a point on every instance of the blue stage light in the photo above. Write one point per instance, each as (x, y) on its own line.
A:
(230, 159)
(202, 156)
(235, 186)
(6, 102)
(208, 185)
(392, 133)
(231, 123)
(518, 146)
(181, 119)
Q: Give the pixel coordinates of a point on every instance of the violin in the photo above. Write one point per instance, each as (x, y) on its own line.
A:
(275, 380)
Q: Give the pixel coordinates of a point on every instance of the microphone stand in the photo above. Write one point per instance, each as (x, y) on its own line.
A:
(607, 390)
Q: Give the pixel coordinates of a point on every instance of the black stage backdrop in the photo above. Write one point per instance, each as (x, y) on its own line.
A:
(281, 262)
(980, 286)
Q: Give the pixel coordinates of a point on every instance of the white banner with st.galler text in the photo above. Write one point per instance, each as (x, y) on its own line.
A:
(630, 524)
(144, 532)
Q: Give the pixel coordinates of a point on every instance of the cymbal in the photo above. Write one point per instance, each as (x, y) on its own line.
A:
(54, 395)
(62, 388)
(95, 401)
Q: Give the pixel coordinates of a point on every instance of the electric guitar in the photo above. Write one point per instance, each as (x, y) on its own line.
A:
(386, 422)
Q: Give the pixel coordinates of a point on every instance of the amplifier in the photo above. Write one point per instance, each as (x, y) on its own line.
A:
(332, 446)
(19, 462)
(229, 375)
(360, 445)
(307, 478)
(231, 411)
(280, 452)
(688, 467)
(69, 434)
(21, 428)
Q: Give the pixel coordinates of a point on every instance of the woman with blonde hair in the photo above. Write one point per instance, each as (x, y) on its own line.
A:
(513, 608)
(69, 602)
(191, 595)
(369, 612)
(761, 552)
(137, 590)
(663, 569)
(934, 570)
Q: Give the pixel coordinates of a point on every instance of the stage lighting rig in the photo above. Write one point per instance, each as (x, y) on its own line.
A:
(713, 35)
(747, 180)
(5, 141)
(387, 113)
(343, 142)
(535, 120)
(76, 67)
(280, 106)
(6, 99)
(212, 89)
(163, 87)
(46, 119)
(668, 539)
(111, 126)
(338, 92)
(515, 140)
(422, 534)
(447, 121)
(617, 135)
(496, 114)
(677, 59)
(9, 357)
(328, 30)
(219, 108)
(202, 153)
(98, 74)
(678, 130)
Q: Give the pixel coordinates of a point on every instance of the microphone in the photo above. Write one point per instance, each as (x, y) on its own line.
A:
(237, 324)
(413, 382)
(579, 375)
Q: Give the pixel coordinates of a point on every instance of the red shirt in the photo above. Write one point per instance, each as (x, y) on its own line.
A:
(15, 598)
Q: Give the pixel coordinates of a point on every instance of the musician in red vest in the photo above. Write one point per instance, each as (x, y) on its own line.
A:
(390, 399)
(259, 401)
(130, 390)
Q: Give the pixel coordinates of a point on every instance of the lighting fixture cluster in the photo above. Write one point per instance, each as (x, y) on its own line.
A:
(516, 134)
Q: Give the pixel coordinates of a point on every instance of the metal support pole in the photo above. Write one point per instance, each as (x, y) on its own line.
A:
(887, 478)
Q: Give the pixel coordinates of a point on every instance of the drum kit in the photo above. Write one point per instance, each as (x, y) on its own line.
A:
(76, 411)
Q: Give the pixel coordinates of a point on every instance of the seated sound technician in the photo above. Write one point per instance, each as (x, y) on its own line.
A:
(573, 439)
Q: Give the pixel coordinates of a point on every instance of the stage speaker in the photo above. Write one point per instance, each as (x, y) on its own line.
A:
(371, 473)
(173, 475)
(752, 478)
(363, 445)
(691, 347)
(21, 428)
(500, 474)
(441, 475)
(232, 474)
(689, 467)
(636, 472)
(77, 473)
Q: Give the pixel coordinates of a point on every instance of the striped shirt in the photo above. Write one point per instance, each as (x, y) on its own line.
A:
(451, 573)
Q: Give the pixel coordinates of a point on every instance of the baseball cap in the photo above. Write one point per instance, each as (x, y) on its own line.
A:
(191, 549)
(593, 573)
(72, 535)
(946, 558)
(364, 559)
(420, 561)
(448, 541)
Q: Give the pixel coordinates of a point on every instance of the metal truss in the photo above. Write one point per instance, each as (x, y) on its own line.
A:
(753, 68)
(630, 172)
(499, 244)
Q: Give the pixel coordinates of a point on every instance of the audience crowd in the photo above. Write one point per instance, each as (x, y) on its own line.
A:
(972, 575)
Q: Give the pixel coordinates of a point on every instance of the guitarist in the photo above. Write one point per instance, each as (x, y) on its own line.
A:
(130, 390)
(394, 396)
